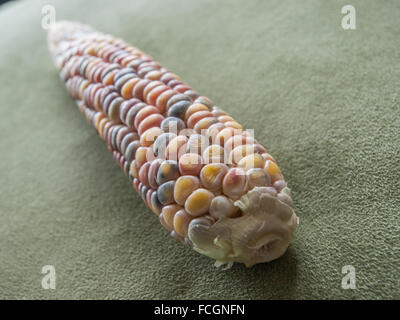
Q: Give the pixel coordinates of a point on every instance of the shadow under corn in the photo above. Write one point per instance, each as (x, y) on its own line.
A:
(274, 280)
(185, 274)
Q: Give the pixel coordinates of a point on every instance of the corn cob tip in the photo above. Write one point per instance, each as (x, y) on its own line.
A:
(261, 234)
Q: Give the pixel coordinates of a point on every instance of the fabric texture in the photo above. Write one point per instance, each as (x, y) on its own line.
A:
(323, 100)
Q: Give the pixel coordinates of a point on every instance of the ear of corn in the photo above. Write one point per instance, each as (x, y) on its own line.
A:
(212, 185)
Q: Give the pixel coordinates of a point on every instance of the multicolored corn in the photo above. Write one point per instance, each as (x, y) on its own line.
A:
(212, 185)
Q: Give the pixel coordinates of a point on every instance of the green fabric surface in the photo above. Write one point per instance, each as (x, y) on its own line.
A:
(324, 101)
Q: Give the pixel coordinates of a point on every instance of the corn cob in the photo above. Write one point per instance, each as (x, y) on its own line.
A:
(212, 185)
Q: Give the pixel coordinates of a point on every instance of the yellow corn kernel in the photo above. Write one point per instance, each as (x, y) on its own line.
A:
(212, 175)
(97, 118)
(126, 90)
(234, 124)
(141, 156)
(198, 203)
(225, 119)
(273, 170)
(184, 186)
(252, 161)
(101, 126)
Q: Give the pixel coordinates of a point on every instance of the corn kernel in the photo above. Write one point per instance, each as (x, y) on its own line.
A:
(237, 140)
(218, 112)
(181, 222)
(224, 135)
(203, 124)
(168, 213)
(128, 139)
(195, 107)
(213, 131)
(141, 156)
(241, 151)
(214, 154)
(150, 86)
(257, 177)
(178, 109)
(143, 114)
(273, 170)
(190, 164)
(177, 97)
(197, 143)
(139, 87)
(150, 135)
(133, 170)
(176, 148)
(153, 120)
(144, 174)
(162, 99)
(126, 90)
(155, 204)
(184, 186)
(196, 117)
(130, 150)
(234, 183)
(252, 161)
(234, 124)
(224, 118)
(160, 144)
(132, 112)
(206, 101)
(172, 124)
(222, 206)
(167, 171)
(152, 173)
(267, 156)
(198, 203)
(212, 175)
(165, 192)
